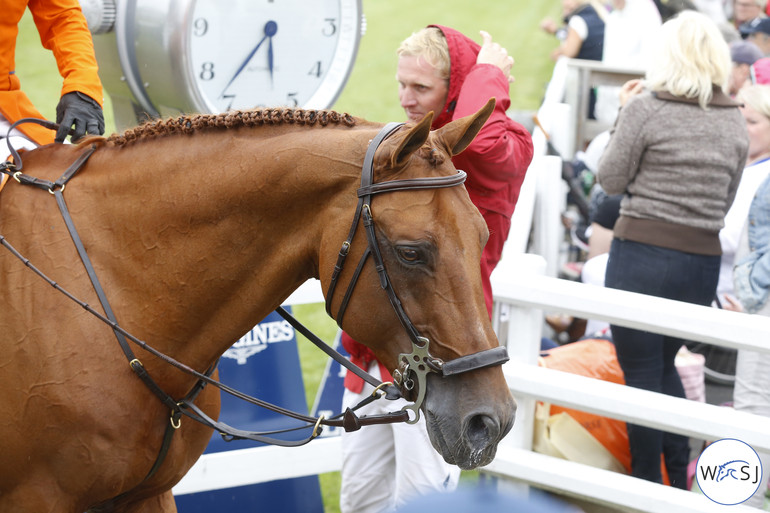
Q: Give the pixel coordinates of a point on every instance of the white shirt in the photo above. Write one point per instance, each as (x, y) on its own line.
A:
(735, 219)
(628, 33)
(580, 26)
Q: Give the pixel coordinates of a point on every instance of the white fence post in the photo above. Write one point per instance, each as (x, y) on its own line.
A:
(521, 334)
(550, 202)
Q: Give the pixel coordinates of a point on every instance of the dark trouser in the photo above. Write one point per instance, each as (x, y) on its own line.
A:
(647, 359)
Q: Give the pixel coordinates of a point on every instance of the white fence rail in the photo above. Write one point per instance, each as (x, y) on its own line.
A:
(528, 291)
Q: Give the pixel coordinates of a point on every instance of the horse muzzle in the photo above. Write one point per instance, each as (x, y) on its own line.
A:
(466, 428)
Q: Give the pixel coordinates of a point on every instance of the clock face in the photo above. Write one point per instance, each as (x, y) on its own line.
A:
(243, 54)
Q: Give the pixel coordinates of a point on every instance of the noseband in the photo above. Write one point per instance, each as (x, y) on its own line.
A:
(413, 368)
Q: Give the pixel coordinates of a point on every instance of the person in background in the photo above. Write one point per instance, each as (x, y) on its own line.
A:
(64, 31)
(755, 100)
(442, 71)
(666, 240)
(743, 55)
(759, 72)
(743, 11)
(629, 30)
(670, 8)
(583, 35)
(714, 9)
(751, 277)
(745, 239)
(757, 31)
(628, 33)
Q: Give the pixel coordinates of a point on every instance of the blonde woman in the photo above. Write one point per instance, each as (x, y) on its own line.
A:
(676, 152)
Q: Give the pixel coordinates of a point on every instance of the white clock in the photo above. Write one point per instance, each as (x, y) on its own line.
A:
(171, 56)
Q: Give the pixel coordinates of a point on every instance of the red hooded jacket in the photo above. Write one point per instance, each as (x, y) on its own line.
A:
(496, 162)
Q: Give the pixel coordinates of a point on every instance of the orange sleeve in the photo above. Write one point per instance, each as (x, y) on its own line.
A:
(63, 29)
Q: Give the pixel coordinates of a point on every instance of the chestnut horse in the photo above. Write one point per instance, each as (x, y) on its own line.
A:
(197, 228)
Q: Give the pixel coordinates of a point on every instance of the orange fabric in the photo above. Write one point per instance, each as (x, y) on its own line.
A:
(595, 358)
(63, 30)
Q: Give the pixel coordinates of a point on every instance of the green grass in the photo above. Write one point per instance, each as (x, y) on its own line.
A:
(371, 93)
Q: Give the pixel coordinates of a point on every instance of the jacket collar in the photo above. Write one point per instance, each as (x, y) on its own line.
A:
(718, 99)
(462, 57)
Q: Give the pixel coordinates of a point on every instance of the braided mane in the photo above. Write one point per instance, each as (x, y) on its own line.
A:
(189, 124)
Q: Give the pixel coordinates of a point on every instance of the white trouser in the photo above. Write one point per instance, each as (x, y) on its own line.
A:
(385, 465)
(752, 394)
(17, 140)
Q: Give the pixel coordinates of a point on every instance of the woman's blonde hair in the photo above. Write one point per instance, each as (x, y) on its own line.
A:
(690, 57)
(430, 44)
(757, 97)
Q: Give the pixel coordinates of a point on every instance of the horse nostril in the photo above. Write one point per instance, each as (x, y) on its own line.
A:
(481, 431)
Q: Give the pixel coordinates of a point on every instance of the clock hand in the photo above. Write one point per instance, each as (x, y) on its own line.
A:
(270, 59)
(270, 29)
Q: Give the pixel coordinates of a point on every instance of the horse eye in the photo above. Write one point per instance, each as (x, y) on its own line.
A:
(409, 255)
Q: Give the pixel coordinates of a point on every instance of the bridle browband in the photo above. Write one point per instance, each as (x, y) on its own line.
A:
(413, 367)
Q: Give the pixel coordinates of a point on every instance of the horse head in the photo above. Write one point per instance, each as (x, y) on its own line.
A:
(430, 240)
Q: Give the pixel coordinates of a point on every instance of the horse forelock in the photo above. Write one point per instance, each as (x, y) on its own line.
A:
(434, 156)
(189, 124)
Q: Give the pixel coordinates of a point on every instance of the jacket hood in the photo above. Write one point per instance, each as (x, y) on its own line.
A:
(462, 57)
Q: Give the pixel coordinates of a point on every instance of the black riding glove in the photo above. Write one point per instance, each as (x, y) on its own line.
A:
(78, 109)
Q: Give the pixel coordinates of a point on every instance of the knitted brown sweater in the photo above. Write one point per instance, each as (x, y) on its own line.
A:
(678, 166)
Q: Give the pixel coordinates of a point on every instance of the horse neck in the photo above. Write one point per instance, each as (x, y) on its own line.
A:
(221, 229)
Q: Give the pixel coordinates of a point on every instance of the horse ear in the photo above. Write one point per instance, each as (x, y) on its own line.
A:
(412, 141)
(458, 134)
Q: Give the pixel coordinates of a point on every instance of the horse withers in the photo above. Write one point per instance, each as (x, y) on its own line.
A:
(197, 228)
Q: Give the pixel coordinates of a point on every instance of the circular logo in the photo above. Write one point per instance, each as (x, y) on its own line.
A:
(729, 471)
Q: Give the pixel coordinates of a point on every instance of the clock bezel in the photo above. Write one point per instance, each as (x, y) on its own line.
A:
(332, 83)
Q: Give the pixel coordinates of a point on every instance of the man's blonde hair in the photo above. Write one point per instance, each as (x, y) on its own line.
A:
(690, 57)
(429, 44)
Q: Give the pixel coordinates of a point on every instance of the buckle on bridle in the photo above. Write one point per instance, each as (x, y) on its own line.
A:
(413, 369)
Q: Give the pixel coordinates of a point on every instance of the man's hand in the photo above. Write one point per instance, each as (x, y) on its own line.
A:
(493, 53)
(78, 109)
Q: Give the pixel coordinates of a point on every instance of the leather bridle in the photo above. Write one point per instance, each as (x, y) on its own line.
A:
(414, 367)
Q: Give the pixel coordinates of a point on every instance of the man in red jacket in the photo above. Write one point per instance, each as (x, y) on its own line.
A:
(384, 466)
(63, 30)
